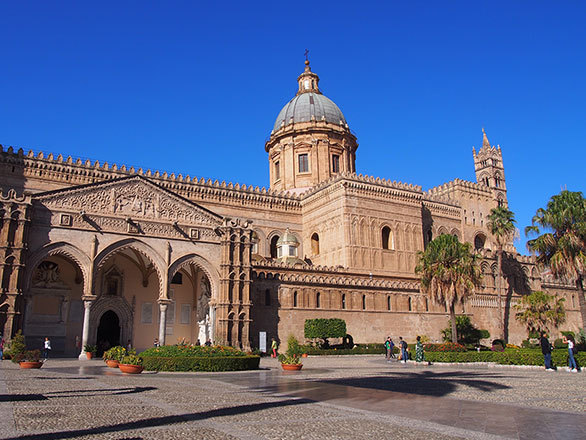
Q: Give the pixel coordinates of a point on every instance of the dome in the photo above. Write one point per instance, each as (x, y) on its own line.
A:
(288, 238)
(307, 107)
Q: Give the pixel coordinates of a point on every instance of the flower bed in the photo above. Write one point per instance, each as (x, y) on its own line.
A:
(445, 347)
(508, 357)
(197, 358)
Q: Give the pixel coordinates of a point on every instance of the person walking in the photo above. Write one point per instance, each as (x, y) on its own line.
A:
(404, 352)
(1, 347)
(419, 354)
(392, 348)
(546, 350)
(572, 366)
(388, 349)
(46, 348)
(274, 347)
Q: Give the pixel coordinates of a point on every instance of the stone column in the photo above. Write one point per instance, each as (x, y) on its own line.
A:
(87, 304)
(162, 321)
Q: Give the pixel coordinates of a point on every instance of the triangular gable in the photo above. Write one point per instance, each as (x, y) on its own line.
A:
(136, 197)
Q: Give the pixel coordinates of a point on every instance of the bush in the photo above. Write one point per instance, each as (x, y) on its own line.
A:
(193, 351)
(27, 356)
(131, 359)
(508, 357)
(17, 346)
(114, 354)
(324, 328)
(467, 332)
(559, 343)
(199, 363)
(445, 347)
(341, 350)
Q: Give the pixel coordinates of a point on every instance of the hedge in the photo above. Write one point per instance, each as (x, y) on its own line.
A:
(508, 357)
(193, 363)
(321, 328)
(193, 351)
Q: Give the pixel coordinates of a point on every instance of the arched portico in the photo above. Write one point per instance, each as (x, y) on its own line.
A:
(123, 310)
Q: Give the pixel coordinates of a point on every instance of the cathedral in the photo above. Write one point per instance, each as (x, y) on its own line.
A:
(102, 254)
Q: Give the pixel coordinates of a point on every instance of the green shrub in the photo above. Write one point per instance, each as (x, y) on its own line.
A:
(467, 332)
(114, 354)
(17, 346)
(324, 328)
(198, 363)
(569, 333)
(446, 346)
(559, 343)
(193, 350)
(131, 359)
(27, 356)
(508, 357)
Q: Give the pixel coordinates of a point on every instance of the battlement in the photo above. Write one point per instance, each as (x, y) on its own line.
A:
(84, 171)
(458, 184)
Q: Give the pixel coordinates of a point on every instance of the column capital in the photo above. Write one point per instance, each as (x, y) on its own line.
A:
(164, 301)
(89, 297)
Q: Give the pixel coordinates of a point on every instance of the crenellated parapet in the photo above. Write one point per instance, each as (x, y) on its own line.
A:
(69, 171)
(449, 188)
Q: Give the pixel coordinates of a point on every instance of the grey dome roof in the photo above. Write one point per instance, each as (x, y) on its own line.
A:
(307, 107)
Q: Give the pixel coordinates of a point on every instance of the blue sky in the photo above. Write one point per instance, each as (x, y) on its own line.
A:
(194, 88)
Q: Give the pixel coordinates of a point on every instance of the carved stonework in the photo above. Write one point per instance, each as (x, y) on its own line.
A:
(48, 275)
(133, 197)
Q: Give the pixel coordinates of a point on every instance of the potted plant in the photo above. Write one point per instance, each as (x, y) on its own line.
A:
(291, 360)
(131, 363)
(16, 346)
(90, 350)
(113, 356)
(29, 359)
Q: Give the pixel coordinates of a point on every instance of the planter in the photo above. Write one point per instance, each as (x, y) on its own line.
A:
(28, 365)
(89, 354)
(292, 367)
(130, 369)
(112, 363)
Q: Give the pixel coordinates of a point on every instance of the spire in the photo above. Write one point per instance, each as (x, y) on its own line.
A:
(485, 142)
(308, 81)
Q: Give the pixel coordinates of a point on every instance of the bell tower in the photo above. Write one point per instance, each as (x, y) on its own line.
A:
(490, 171)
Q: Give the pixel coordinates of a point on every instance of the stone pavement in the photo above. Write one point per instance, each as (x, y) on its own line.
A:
(357, 397)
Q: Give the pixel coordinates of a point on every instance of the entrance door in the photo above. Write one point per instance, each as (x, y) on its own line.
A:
(108, 332)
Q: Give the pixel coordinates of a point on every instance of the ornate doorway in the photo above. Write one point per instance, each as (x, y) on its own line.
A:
(108, 331)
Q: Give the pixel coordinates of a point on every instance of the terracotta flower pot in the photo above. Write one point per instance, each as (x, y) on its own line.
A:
(27, 365)
(112, 363)
(89, 354)
(131, 369)
(304, 355)
(291, 367)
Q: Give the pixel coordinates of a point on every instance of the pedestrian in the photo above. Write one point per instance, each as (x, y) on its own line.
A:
(197, 343)
(156, 343)
(388, 349)
(419, 354)
(392, 348)
(128, 346)
(572, 366)
(546, 350)
(274, 347)
(208, 343)
(1, 347)
(46, 348)
(404, 352)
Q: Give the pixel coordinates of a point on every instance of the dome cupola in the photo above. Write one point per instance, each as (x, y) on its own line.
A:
(310, 141)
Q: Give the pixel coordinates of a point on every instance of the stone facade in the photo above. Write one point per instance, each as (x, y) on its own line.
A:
(101, 254)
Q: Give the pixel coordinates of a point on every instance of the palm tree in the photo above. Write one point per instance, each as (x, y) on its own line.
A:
(501, 223)
(538, 311)
(563, 249)
(449, 273)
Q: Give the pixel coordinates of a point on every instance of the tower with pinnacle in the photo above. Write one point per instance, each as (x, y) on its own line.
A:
(490, 171)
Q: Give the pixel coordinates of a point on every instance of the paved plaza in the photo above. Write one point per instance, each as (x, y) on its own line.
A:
(355, 397)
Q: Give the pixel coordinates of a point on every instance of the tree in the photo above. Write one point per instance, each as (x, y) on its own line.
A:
(501, 223)
(449, 273)
(324, 329)
(467, 332)
(563, 248)
(538, 311)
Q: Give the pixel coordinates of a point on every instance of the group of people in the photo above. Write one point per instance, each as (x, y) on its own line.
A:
(404, 350)
(546, 348)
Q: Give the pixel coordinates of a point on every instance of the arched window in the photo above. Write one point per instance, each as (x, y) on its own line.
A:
(315, 244)
(497, 181)
(388, 302)
(295, 299)
(343, 300)
(409, 304)
(363, 302)
(388, 238)
(317, 300)
(479, 241)
(274, 246)
(268, 297)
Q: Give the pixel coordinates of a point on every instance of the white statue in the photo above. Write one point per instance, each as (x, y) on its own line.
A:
(203, 311)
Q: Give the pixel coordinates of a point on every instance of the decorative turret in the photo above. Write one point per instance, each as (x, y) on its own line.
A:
(310, 141)
(489, 167)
